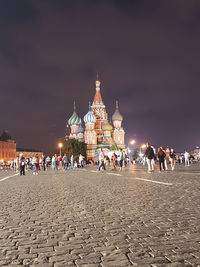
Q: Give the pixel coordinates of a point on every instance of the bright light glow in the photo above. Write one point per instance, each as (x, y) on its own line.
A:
(129, 151)
(141, 154)
(143, 146)
(60, 145)
(132, 142)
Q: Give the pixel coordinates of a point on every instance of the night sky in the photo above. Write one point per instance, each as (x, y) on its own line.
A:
(147, 54)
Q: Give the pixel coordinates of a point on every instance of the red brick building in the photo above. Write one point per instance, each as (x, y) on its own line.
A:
(7, 150)
(28, 153)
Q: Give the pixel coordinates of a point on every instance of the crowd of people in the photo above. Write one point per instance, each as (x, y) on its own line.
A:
(166, 159)
(36, 164)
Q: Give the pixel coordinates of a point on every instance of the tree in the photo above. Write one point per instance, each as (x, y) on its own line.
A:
(5, 136)
(75, 148)
(114, 147)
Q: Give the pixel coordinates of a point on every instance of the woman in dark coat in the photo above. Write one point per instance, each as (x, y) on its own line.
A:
(161, 158)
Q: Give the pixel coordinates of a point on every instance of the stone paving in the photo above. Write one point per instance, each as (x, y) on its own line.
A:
(88, 218)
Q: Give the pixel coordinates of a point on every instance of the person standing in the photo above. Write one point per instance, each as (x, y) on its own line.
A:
(153, 161)
(35, 162)
(60, 162)
(172, 157)
(114, 159)
(22, 165)
(81, 159)
(17, 163)
(149, 154)
(101, 160)
(65, 162)
(72, 161)
(167, 152)
(44, 162)
(187, 158)
(121, 158)
(55, 162)
(161, 158)
(48, 162)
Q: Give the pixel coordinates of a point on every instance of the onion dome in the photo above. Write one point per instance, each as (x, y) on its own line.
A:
(117, 116)
(80, 129)
(89, 117)
(107, 127)
(74, 119)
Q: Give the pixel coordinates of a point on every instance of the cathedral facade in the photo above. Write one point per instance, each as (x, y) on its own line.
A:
(98, 131)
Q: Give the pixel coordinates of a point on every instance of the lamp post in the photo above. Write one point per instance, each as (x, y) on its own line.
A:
(60, 145)
(131, 143)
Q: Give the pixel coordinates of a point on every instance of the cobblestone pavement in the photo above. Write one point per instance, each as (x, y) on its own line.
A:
(88, 218)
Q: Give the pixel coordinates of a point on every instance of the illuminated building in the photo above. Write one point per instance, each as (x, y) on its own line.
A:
(99, 133)
(7, 148)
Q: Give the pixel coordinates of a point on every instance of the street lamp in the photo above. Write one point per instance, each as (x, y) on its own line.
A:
(132, 142)
(143, 146)
(60, 145)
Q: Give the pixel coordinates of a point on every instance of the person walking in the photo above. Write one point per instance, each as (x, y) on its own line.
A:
(65, 162)
(101, 160)
(121, 158)
(161, 158)
(22, 165)
(172, 158)
(149, 154)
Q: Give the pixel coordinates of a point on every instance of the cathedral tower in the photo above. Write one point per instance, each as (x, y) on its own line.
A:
(99, 110)
(90, 135)
(118, 132)
(74, 122)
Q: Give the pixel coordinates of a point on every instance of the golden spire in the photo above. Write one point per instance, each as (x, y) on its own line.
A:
(74, 106)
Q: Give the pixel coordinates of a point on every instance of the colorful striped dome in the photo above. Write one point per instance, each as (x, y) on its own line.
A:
(117, 116)
(74, 119)
(89, 117)
(107, 127)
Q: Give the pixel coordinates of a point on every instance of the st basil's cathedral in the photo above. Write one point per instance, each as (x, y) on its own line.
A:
(99, 132)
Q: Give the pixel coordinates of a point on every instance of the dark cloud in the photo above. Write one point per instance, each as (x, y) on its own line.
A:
(146, 53)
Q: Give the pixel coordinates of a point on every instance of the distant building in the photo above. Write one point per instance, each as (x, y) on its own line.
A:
(99, 132)
(28, 153)
(7, 147)
(7, 150)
